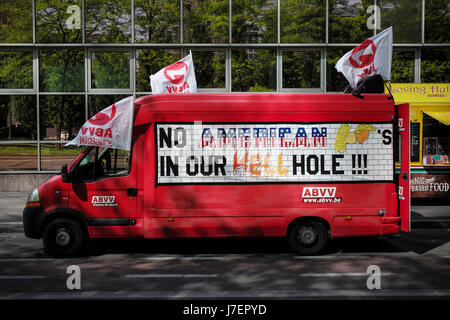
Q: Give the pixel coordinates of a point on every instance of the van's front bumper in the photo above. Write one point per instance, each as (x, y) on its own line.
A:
(32, 218)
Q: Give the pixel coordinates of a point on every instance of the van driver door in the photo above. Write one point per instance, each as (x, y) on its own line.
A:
(104, 190)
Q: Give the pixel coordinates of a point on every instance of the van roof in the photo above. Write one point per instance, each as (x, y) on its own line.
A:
(257, 103)
(264, 99)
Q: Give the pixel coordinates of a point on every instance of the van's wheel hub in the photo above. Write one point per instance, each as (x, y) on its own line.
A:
(307, 235)
(65, 238)
(62, 237)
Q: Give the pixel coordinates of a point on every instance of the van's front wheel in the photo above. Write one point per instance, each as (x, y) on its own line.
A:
(308, 238)
(64, 238)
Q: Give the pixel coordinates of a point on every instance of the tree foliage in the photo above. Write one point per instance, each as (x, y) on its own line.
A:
(302, 21)
(51, 26)
(205, 21)
(108, 21)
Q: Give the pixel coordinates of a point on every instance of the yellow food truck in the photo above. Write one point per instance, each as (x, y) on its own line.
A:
(430, 136)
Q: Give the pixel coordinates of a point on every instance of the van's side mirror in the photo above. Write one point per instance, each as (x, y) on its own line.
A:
(64, 174)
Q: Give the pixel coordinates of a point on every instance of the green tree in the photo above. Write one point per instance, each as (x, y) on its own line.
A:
(437, 21)
(435, 65)
(18, 108)
(302, 21)
(348, 21)
(16, 70)
(205, 21)
(65, 113)
(51, 22)
(405, 18)
(254, 21)
(61, 70)
(110, 69)
(157, 21)
(402, 69)
(253, 70)
(108, 21)
(209, 68)
(17, 24)
(336, 82)
(301, 69)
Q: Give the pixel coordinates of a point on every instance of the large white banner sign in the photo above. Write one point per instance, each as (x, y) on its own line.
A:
(197, 153)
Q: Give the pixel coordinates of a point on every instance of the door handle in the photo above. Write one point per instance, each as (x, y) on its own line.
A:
(405, 176)
(132, 192)
(400, 193)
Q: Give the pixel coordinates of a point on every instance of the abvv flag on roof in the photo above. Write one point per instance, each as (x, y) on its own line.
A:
(372, 57)
(178, 77)
(111, 127)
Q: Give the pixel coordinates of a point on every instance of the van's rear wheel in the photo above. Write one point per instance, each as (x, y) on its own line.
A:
(308, 238)
(64, 238)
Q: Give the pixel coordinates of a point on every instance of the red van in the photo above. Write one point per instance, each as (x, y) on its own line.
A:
(308, 167)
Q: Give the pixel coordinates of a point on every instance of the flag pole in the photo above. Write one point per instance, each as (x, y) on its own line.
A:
(130, 141)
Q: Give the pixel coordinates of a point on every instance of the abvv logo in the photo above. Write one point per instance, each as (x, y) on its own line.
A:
(319, 192)
(175, 73)
(104, 201)
(100, 119)
(178, 77)
(320, 195)
(363, 55)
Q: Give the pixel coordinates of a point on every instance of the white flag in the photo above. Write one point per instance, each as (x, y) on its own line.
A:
(178, 77)
(112, 127)
(373, 56)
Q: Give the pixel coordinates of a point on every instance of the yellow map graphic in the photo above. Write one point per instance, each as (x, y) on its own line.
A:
(344, 136)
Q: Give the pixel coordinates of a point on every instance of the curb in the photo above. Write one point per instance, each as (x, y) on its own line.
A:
(430, 224)
(11, 227)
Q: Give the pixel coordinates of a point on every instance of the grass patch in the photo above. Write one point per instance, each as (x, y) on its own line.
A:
(31, 149)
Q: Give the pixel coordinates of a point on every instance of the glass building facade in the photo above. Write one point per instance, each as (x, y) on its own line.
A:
(61, 61)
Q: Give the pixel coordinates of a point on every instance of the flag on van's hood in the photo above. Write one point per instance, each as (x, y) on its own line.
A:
(178, 77)
(111, 127)
(373, 56)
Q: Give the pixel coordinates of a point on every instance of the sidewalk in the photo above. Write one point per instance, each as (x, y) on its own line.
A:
(11, 206)
(430, 216)
(422, 216)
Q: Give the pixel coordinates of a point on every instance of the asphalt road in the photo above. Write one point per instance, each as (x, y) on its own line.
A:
(411, 265)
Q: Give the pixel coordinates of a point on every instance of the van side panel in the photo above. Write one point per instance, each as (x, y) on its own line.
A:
(190, 208)
(265, 210)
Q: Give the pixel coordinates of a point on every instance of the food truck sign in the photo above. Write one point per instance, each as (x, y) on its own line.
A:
(425, 185)
(419, 92)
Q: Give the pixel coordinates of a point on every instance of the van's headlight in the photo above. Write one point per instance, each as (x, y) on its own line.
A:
(33, 199)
